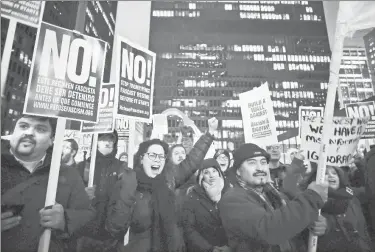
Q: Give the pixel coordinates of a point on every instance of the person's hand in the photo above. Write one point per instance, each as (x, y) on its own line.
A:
(224, 249)
(216, 249)
(53, 218)
(321, 189)
(319, 227)
(213, 124)
(299, 155)
(91, 192)
(9, 221)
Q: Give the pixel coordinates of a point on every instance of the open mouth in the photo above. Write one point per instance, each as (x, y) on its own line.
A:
(260, 174)
(155, 167)
(332, 181)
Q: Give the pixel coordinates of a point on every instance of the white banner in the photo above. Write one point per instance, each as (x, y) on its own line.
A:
(258, 117)
(342, 144)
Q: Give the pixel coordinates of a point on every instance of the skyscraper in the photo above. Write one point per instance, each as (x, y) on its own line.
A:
(210, 52)
(355, 82)
(369, 40)
(98, 20)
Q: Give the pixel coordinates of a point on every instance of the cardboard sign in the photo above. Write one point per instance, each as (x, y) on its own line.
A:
(106, 109)
(66, 75)
(308, 111)
(343, 143)
(84, 142)
(362, 110)
(135, 75)
(160, 124)
(258, 117)
(26, 12)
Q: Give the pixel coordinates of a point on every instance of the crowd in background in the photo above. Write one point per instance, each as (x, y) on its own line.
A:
(174, 201)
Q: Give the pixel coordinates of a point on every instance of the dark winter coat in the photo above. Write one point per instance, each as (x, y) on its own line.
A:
(370, 190)
(107, 172)
(70, 194)
(355, 238)
(251, 226)
(132, 209)
(201, 221)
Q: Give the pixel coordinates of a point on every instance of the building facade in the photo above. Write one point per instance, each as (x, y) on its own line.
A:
(98, 20)
(369, 40)
(355, 80)
(210, 52)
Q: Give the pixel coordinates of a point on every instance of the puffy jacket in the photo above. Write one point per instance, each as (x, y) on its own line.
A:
(132, 209)
(354, 238)
(370, 190)
(70, 194)
(252, 226)
(107, 172)
(202, 224)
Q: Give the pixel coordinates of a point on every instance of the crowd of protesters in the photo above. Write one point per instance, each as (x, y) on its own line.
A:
(174, 200)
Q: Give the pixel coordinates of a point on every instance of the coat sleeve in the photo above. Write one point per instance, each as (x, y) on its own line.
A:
(193, 160)
(252, 221)
(79, 210)
(120, 208)
(193, 238)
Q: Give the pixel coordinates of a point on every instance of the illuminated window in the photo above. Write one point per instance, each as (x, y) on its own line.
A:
(228, 7)
(192, 6)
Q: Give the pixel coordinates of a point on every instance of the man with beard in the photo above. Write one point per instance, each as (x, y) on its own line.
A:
(25, 166)
(257, 217)
(107, 171)
(70, 149)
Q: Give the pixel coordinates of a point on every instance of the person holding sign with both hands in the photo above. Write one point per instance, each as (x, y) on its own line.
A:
(144, 199)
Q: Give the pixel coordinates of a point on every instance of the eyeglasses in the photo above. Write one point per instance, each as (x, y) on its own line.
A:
(222, 158)
(153, 156)
(273, 147)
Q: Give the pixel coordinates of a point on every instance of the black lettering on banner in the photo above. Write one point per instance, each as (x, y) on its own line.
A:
(136, 76)
(66, 76)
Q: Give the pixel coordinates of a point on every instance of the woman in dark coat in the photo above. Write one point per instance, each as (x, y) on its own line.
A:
(144, 199)
(346, 226)
(203, 230)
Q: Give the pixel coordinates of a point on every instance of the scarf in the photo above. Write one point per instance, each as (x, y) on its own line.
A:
(338, 201)
(273, 200)
(163, 212)
(270, 194)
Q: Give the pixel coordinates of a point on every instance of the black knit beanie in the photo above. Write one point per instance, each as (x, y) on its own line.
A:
(247, 151)
(208, 163)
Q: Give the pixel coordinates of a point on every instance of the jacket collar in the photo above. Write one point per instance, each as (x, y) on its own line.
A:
(8, 159)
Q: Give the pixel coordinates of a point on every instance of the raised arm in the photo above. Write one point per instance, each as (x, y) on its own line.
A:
(271, 227)
(196, 156)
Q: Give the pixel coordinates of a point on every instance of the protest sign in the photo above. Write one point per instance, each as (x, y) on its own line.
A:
(258, 117)
(122, 128)
(308, 111)
(66, 75)
(106, 111)
(135, 75)
(160, 126)
(26, 12)
(84, 142)
(361, 110)
(342, 144)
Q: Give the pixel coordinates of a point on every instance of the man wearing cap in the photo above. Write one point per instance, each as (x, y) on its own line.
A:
(257, 217)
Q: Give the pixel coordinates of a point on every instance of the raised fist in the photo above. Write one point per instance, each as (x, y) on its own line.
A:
(213, 124)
